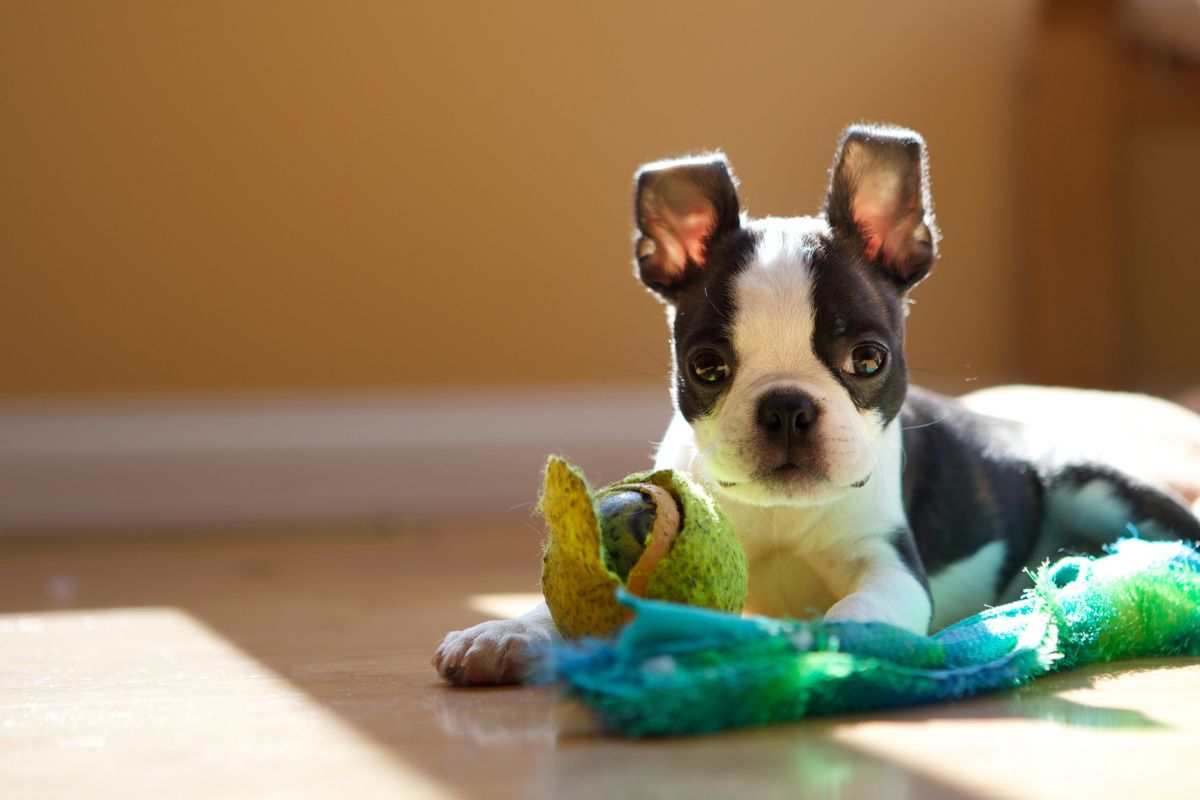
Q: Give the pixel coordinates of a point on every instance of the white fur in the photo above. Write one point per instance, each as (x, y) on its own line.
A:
(1092, 511)
(964, 587)
(772, 334)
(1161, 449)
(825, 547)
(805, 561)
(497, 651)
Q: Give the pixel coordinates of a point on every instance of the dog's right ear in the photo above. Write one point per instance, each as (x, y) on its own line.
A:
(879, 196)
(682, 208)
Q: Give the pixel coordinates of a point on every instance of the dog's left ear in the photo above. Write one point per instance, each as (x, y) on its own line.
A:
(683, 208)
(879, 195)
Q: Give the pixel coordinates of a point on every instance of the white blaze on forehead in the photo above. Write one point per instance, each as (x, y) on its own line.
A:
(772, 338)
(773, 321)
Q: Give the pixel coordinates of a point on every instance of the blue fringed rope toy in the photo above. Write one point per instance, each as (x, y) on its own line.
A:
(681, 670)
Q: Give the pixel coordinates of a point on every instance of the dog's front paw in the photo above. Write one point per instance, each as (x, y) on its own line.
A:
(500, 651)
(855, 608)
(865, 607)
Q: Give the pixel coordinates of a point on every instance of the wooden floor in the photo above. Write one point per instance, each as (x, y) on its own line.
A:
(295, 664)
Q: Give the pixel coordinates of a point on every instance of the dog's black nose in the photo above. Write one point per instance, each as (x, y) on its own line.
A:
(785, 416)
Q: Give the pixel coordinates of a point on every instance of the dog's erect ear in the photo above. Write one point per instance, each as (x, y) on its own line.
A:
(879, 194)
(682, 208)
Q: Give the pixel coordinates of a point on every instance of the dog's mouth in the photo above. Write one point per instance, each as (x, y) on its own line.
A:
(789, 473)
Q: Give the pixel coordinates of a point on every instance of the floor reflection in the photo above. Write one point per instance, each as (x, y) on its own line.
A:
(499, 715)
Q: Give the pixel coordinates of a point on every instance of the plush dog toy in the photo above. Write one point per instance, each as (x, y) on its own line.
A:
(679, 670)
(654, 534)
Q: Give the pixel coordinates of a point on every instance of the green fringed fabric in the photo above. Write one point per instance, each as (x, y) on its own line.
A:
(681, 670)
(1141, 600)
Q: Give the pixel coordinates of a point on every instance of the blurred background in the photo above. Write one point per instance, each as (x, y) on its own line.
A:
(295, 261)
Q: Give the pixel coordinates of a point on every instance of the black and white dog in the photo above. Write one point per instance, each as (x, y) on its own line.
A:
(855, 494)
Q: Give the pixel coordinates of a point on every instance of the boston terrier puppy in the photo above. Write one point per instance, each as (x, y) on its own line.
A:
(856, 495)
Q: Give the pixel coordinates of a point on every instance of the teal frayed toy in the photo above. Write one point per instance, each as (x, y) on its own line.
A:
(681, 670)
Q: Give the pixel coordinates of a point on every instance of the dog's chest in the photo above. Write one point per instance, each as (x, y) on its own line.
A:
(801, 561)
(785, 585)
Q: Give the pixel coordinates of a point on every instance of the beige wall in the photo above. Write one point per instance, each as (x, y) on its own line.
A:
(1161, 279)
(229, 196)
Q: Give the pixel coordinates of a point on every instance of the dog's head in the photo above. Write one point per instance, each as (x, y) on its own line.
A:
(788, 334)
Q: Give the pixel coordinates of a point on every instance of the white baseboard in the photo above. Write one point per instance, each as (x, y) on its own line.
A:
(138, 465)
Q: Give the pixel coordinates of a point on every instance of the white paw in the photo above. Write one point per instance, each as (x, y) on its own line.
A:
(490, 653)
(864, 607)
(854, 608)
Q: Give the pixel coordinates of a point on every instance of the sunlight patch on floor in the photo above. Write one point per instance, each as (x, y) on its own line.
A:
(504, 606)
(150, 702)
(1067, 724)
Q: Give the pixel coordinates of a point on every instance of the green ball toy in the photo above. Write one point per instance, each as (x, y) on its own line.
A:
(657, 534)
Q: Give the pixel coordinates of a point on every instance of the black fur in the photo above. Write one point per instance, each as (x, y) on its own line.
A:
(1146, 504)
(967, 484)
(703, 315)
(906, 546)
(970, 480)
(855, 303)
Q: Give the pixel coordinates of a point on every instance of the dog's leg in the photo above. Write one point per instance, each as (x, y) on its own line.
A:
(1088, 506)
(892, 596)
(1097, 502)
(495, 652)
(878, 586)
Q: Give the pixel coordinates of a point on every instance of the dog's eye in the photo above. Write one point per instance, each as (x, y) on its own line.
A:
(710, 368)
(866, 360)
